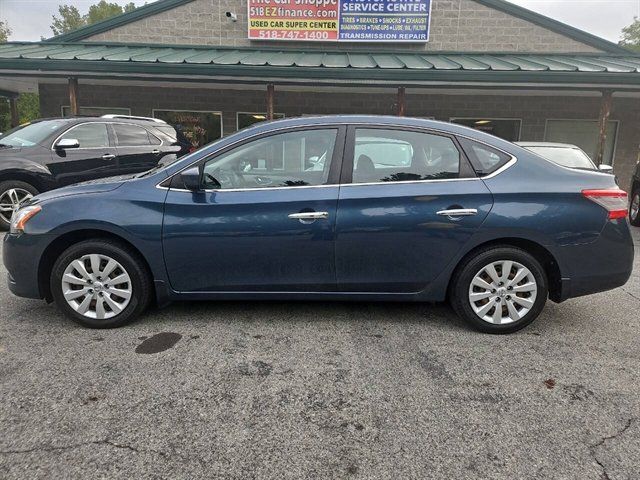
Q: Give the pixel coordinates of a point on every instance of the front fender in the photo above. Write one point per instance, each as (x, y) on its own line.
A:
(38, 175)
(135, 215)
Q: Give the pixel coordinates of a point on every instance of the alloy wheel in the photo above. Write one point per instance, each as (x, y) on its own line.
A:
(503, 292)
(96, 286)
(635, 206)
(10, 201)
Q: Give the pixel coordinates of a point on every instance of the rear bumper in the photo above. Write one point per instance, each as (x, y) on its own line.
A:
(596, 267)
(21, 255)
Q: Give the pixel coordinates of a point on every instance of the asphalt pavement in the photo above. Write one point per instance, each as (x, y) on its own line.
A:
(322, 390)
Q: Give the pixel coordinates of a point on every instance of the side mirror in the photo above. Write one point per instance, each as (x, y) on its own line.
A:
(191, 179)
(605, 168)
(66, 143)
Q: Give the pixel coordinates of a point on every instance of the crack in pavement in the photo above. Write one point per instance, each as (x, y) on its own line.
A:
(630, 294)
(592, 448)
(48, 448)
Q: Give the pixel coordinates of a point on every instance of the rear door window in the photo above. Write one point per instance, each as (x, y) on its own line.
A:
(133, 136)
(386, 155)
(485, 159)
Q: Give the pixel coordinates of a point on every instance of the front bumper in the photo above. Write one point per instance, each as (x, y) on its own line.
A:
(596, 267)
(21, 255)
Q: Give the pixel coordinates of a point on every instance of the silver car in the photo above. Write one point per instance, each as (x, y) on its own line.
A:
(564, 154)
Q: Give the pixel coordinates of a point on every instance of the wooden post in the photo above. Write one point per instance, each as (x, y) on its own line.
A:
(603, 119)
(270, 95)
(402, 106)
(13, 105)
(73, 96)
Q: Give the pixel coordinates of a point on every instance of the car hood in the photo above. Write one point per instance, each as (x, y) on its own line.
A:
(92, 186)
(8, 151)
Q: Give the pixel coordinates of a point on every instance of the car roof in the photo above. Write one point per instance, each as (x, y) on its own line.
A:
(546, 144)
(377, 120)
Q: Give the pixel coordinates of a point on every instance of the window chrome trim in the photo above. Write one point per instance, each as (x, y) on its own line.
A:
(506, 166)
(256, 189)
(405, 182)
(53, 149)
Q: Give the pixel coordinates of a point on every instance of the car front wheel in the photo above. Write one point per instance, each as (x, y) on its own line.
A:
(499, 290)
(100, 283)
(12, 194)
(634, 208)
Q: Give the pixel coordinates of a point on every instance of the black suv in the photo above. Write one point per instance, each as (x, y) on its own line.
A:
(52, 153)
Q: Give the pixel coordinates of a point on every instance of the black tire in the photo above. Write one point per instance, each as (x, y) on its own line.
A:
(140, 281)
(7, 185)
(471, 266)
(634, 218)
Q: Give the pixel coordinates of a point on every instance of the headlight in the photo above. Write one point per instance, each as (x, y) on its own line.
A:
(22, 216)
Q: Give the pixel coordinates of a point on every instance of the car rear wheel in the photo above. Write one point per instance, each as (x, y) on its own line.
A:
(100, 284)
(12, 194)
(634, 208)
(499, 290)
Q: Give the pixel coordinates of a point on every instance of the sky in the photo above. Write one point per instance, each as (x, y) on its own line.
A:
(30, 19)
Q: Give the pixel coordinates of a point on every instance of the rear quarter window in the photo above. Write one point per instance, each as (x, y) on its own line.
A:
(485, 159)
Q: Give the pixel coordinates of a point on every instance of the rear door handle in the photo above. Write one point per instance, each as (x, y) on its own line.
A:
(306, 216)
(458, 212)
(155, 152)
(108, 156)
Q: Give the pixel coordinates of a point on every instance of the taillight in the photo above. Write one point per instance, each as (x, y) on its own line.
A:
(613, 200)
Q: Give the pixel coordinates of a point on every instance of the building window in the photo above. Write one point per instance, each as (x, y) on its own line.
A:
(96, 111)
(199, 128)
(584, 134)
(505, 128)
(246, 119)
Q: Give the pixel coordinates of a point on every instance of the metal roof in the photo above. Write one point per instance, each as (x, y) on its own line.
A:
(289, 65)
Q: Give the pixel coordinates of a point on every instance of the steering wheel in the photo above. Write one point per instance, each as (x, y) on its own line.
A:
(226, 178)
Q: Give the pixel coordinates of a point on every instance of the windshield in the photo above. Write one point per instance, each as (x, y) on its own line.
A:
(32, 134)
(565, 156)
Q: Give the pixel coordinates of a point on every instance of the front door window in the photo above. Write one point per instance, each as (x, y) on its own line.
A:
(292, 159)
(89, 135)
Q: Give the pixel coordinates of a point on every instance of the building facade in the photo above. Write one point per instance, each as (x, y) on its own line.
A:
(487, 64)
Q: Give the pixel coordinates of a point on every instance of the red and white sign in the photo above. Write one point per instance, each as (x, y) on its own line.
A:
(309, 20)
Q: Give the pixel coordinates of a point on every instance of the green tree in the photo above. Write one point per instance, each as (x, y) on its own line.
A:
(71, 19)
(28, 103)
(5, 31)
(28, 107)
(631, 35)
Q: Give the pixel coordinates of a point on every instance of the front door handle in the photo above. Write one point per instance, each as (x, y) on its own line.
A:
(309, 217)
(108, 156)
(458, 212)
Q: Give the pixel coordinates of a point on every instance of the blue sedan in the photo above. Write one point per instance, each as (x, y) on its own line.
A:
(330, 208)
